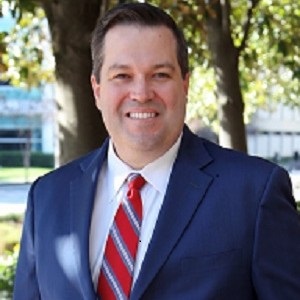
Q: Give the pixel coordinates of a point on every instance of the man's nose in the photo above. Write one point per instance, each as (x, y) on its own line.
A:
(141, 90)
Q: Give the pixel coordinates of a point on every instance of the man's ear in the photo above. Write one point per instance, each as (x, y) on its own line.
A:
(96, 90)
(186, 82)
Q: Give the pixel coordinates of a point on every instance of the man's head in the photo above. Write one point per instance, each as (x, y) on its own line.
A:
(141, 14)
(140, 81)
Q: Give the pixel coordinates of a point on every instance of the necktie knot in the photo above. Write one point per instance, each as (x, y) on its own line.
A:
(136, 182)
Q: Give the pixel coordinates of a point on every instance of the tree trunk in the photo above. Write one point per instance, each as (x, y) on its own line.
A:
(80, 127)
(225, 57)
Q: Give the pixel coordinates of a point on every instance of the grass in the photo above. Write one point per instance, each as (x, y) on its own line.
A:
(20, 175)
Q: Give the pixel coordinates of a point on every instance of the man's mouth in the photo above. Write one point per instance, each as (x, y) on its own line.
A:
(142, 115)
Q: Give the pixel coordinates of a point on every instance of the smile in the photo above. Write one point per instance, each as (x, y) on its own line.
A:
(140, 115)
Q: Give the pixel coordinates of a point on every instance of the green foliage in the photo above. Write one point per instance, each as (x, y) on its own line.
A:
(13, 218)
(15, 159)
(19, 6)
(8, 264)
(202, 98)
(11, 158)
(27, 58)
(39, 159)
(10, 230)
(270, 63)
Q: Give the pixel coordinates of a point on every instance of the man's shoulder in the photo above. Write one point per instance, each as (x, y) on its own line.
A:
(216, 155)
(218, 152)
(72, 169)
(237, 161)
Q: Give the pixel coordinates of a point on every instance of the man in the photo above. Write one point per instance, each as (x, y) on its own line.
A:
(216, 224)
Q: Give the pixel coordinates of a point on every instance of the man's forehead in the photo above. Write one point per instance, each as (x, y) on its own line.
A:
(137, 28)
(120, 66)
(146, 46)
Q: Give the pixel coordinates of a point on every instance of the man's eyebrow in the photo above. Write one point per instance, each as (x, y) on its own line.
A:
(164, 65)
(117, 67)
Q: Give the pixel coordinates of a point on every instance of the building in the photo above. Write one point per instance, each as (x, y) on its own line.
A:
(272, 133)
(275, 132)
(27, 119)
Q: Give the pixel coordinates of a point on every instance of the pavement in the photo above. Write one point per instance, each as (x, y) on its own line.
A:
(13, 198)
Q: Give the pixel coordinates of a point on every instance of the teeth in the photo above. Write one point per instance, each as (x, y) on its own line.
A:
(141, 115)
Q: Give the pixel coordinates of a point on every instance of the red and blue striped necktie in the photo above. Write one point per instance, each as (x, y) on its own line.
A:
(116, 274)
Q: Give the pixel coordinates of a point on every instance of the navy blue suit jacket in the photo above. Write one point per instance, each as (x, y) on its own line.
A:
(228, 229)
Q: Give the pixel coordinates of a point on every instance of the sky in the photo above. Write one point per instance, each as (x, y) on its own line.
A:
(6, 22)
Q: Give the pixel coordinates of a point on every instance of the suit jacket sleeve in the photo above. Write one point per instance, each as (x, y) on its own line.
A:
(26, 285)
(276, 255)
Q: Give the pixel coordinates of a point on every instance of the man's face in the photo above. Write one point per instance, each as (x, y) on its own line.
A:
(141, 93)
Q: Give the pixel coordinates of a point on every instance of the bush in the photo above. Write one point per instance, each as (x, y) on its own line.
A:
(39, 159)
(11, 159)
(12, 218)
(8, 264)
(15, 159)
(10, 232)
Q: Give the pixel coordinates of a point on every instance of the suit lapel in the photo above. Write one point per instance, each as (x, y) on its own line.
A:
(186, 190)
(82, 193)
(187, 184)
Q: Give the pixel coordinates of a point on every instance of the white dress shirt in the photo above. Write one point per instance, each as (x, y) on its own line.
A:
(112, 188)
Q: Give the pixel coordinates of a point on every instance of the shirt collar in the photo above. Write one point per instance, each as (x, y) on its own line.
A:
(156, 173)
(117, 170)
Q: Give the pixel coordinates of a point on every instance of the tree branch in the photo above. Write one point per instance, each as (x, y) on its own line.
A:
(247, 25)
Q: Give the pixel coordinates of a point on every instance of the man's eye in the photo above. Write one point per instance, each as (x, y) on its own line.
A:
(161, 75)
(122, 76)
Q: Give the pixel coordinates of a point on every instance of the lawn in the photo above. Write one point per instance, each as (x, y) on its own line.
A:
(20, 175)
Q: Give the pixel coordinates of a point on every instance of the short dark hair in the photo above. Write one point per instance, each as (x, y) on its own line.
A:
(142, 14)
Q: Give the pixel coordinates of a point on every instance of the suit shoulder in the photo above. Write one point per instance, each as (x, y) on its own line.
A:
(71, 169)
(236, 159)
(228, 160)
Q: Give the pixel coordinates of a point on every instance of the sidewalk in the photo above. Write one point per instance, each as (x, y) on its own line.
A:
(13, 198)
